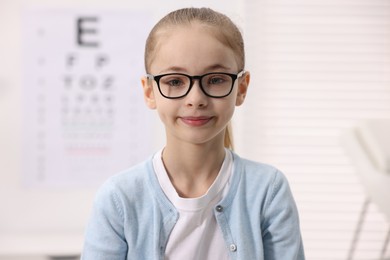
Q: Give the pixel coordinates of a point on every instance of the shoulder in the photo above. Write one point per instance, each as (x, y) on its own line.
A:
(260, 180)
(258, 171)
(128, 184)
(136, 175)
(265, 183)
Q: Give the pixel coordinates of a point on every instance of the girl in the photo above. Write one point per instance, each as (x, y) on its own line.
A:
(195, 199)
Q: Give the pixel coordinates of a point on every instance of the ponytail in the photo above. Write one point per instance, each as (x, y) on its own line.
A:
(228, 140)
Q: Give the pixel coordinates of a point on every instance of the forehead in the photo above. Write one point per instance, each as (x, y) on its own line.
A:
(192, 47)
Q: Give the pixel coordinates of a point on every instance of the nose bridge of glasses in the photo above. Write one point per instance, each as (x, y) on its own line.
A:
(194, 79)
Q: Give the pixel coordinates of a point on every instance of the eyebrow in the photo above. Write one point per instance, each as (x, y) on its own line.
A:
(214, 67)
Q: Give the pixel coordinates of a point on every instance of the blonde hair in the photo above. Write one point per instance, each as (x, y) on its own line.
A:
(225, 31)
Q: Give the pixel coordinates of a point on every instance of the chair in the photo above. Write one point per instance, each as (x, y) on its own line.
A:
(368, 146)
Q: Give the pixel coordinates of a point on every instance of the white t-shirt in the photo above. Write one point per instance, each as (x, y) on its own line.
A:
(196, 235)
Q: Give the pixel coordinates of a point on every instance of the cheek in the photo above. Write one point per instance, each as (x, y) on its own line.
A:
(165, 109)
(227, 107)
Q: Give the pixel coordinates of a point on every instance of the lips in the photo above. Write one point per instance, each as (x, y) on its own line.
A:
(196, 121)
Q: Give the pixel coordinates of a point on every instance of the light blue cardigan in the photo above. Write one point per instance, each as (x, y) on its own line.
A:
(132, 218)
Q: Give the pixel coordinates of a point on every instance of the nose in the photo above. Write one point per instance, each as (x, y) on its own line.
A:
(196, 97)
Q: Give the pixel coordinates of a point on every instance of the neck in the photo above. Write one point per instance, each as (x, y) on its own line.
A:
(193, 168)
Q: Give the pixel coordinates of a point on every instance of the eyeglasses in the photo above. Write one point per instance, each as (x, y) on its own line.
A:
(178, 85)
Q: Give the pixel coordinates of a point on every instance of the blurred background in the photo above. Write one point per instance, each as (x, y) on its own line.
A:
(72, 114)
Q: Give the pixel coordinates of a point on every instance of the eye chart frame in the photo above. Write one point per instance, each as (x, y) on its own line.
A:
(84, 116)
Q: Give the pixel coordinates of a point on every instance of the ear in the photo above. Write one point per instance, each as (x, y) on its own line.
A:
(243, 84)
(149, 97)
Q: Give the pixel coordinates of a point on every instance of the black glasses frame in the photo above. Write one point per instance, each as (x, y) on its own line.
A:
(192, 79)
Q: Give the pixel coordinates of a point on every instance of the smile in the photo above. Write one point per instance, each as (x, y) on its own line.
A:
(196, 121)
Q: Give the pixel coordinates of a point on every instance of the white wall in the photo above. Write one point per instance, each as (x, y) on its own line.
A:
(318, 67)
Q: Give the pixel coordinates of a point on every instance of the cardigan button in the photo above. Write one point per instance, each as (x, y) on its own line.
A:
(233, 248)
(219, 208)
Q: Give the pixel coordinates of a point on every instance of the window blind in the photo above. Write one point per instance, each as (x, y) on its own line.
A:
(317, 67)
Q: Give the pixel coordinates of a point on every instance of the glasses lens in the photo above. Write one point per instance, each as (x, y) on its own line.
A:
(217, 85)
(174, 85)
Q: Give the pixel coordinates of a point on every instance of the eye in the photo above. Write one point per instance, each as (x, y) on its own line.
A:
(217, 79)
(173, 81)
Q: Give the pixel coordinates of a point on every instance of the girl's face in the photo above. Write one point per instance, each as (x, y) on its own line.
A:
(194, 118)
